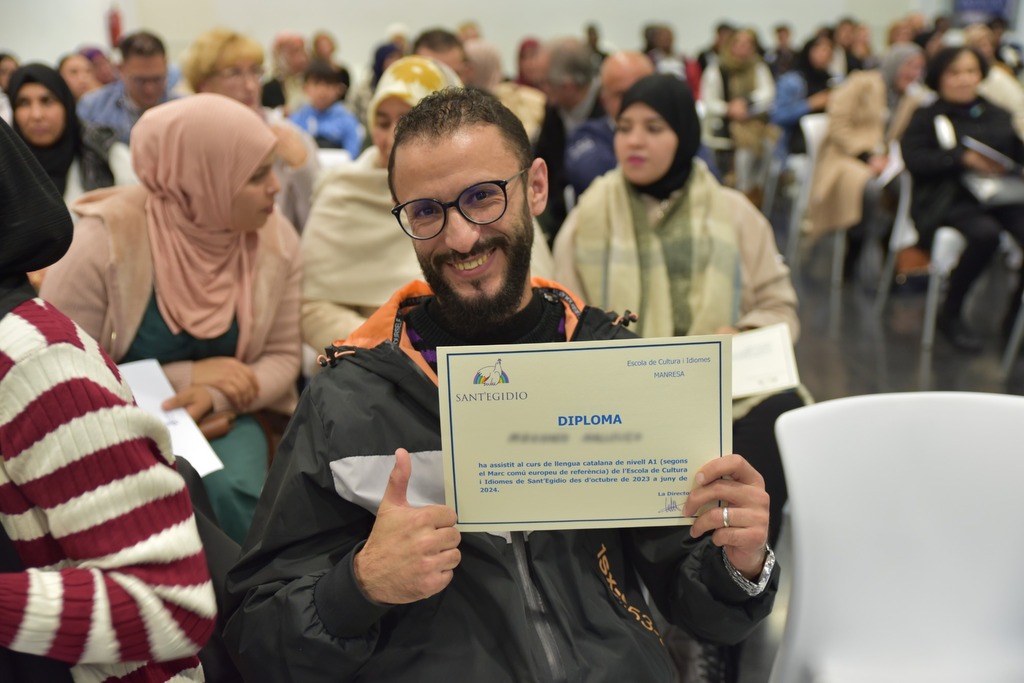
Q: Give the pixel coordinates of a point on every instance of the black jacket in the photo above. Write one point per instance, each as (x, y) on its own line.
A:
(303, 618)
(552, 143)
(936, 171)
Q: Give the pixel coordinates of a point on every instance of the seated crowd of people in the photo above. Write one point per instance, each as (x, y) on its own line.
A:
(197, 214)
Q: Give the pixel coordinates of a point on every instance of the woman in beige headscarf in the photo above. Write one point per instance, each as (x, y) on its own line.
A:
(354, 255)
(195, 268)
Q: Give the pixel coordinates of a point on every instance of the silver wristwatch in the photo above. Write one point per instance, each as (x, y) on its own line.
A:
(749, 587)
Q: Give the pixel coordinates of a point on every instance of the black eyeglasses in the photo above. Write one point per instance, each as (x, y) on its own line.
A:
(480, 204)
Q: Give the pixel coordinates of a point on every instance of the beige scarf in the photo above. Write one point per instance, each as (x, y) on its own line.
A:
(690, 251)
(353, 250)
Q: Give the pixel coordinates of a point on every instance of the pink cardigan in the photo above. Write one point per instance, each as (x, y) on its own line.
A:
(105, 280)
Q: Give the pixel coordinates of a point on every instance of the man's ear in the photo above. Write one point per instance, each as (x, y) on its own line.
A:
(537, 187)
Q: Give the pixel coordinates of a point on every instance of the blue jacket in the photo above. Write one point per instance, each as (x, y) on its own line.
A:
(334, 127)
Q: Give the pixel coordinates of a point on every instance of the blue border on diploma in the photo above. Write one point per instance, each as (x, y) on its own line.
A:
(568, 348)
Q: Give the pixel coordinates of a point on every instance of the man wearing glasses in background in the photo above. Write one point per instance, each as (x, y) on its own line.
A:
(353, 569)
(143, 85)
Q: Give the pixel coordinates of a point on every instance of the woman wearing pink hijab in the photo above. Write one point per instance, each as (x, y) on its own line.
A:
(197, 269)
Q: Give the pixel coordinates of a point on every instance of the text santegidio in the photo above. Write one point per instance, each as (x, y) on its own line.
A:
(492, 396)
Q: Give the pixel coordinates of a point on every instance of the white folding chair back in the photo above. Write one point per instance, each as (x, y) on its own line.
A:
(905, 522)
(814, 128)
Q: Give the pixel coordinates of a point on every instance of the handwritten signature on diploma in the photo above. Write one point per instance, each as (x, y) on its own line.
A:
(670, 506)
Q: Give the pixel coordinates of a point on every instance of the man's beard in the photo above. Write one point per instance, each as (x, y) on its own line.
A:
(469, 317)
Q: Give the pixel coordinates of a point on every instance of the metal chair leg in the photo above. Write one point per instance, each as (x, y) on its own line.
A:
(885, 282)
(838, 257)
(771, 186)
(931, 310)
(1013, 346)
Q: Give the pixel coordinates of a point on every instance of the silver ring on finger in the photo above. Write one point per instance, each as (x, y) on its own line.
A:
(725, 518)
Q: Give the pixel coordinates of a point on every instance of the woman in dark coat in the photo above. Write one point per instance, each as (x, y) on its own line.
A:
(935, 154)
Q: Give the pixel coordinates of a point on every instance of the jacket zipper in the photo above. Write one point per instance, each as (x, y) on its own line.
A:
(537, 614)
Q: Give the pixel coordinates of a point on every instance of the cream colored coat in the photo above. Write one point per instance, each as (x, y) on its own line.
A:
(105, 281)
(856, 125)
(858, 115)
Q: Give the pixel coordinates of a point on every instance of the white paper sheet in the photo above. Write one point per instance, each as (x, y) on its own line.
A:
(763, 361)
(894, 166)
(151, 388)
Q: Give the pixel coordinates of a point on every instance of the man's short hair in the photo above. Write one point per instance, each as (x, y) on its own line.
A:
(571, 62)
(141, 44)
(320, 71)
(446, 112)
(437, 40)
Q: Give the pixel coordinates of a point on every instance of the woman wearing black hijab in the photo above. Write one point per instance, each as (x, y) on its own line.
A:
(76, 157)
(659, 236)
(35, 227)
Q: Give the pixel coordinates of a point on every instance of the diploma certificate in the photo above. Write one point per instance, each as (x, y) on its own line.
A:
(584, 435)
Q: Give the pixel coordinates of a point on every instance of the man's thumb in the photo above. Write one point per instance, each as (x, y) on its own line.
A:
(398, 482)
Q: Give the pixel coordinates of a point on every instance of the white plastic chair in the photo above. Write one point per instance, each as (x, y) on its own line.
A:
(814, 128)
(904, 512)
(947, 247)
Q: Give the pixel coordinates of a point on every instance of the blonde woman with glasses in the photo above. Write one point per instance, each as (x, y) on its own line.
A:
(228, 63)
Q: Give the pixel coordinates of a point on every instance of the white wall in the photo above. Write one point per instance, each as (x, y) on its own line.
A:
(44, 29)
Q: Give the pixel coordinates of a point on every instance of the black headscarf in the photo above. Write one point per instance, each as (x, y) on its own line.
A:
(35, 226)
(816, 79)
(673, 101)
(57, 158)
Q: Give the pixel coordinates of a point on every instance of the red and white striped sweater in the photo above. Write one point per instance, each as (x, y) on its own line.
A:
(117, 582)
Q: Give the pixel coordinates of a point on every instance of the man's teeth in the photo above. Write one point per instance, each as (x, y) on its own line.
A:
(469, 265)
